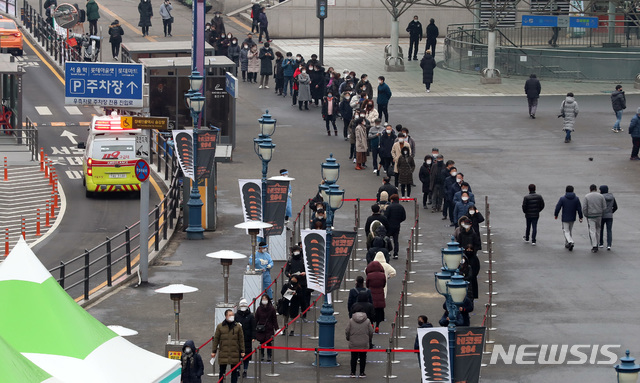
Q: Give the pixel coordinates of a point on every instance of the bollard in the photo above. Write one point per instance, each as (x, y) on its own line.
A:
(46, 222)
(257, 362)
(272, 372)
(301, 332)
(38, 223)
(259, 375)
(6, 170)
(55, 198)
(286, 346)
(6, 242)
(46, 167)
(24, 230)
(50, 173)
(389, 374)
(53, 212)
(317, 366)
(41, 159)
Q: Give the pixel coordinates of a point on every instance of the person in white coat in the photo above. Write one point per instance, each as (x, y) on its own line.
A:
(389, 271)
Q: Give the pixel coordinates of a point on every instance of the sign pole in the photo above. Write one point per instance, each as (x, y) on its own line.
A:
(144, 226)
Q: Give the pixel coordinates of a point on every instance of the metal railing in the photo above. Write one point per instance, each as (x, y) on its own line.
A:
(27, 136)
(114, 258)
(50, 40)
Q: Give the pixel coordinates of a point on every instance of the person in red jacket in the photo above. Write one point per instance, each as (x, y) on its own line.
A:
(376, 281)
(295, 83)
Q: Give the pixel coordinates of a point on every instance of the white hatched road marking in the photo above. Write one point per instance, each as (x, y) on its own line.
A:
(73, 110)
(43, 110)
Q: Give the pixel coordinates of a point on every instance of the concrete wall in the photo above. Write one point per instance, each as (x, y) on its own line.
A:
(352, 18)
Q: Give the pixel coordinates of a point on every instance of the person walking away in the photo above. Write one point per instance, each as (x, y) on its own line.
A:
(330, 110)
(244, 61)
(228, 344)
(594, 206)
(386, 187)
(167, 19)
(425, 178)
(376, 281)
(115, 38)
(264, 263)
(428, 63)
(389, 271)
(555, 10)
(361, 144)
(263, 22)
(266, 325)
(304, 89)
(93, 14)
(384, 95)
(406, 167)
(192, 366)
(415, 35)
(607, 216)
(395, 214)
(288, 68)
(619, 103)
(291, 292)
(568, 112)
(359, 334)
(532, 205)
(254, 63)
(233, 53)
(532, 89)
(248, 322)
(437, 182)
(376, 131)
(346, 113)
(634, 131)
(432, 37)
(266, 57)
(570, 206)
(255, 14)
(146, 13)
(355, 292)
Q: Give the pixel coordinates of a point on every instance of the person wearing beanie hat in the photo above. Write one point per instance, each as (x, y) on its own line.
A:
(264, 263)
(634, 131)
(607, 215)
(248, 322)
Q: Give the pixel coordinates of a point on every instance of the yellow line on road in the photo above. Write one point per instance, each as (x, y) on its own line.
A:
(45, 61)
(242, 25)
(123, 21)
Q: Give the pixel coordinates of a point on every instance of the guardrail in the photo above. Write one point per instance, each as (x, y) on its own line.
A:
(27, 136)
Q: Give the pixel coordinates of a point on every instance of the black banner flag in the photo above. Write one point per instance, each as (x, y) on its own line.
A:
(469, 346)
(275, 206)
(342, 243)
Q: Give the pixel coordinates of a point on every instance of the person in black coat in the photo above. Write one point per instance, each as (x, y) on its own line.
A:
(532, 89)
(354, 293)
(330, 116)
(316, 73)
(379, 244)
(192, 366)
(425, 177)
(364, 305)
(448, 205)
(432, 33)
(256, 8)
(293, 303)
(115, 38)
(415, 35)
(375, 216)
(476, 218)
(146, 13)
(396, 214)
(423, 322)
(463, 314)
(570, 206)
(248, 322)
(387, 139)
(386, 186)
(466, 236)
(346, 112)
(266, 69)
(532, 205)
(295, 267)
(278, 71)
(428, 63)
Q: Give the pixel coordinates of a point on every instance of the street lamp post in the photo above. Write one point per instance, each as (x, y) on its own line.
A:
(627, 371)
(264, 146)
(327, 321)
(195, 102)
(453, 287)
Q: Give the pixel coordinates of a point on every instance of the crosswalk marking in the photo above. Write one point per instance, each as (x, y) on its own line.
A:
(73, 110)
(43, 110)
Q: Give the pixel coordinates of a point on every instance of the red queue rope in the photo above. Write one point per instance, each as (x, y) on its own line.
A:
(338, 349)
(486, 311)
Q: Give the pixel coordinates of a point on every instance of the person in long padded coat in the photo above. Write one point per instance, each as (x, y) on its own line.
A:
(406, 166)
(317, 82)
(146, 13)
(192, 366)
(304, 89)
(254, 63)
(428, 63)
(568, 112)
(376, 281)
(266, 65)
(233, 53)
(228, 344)
(363, 305)
(359, 335)
(425, 178)
(244, 61)
(248, 322)
(294, 303)
(389, 271)
(266, 316)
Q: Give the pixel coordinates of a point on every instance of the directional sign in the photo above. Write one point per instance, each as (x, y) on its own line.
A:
(583, 22)
(142, 170)
(231, 85)
(539, 21)
(135, 122)
(103, 84)
(142, 146)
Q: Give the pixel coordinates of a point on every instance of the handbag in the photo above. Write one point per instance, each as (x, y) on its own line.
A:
(261, 328)
(282, 306)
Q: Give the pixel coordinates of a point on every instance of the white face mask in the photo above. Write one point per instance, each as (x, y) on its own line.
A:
(465, 199)
(389, 131)
(246, 47)
(304, 71)
(428, 162)
(466, 226)
(231, 318)
(459, 180)
(379, 81)
(453, 174)
(264, 301)
(243, 308)
(229, 36)
(362, 115)
(187, 350)
(401, 140)
(296, 253)
(472, 212)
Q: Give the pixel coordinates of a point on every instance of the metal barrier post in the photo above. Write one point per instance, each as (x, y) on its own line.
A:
(61, 274)
(389, 374)
(286, 345)
(272, 372)
(156, 229)
(86, 274)
(337, 299)
(301, 332)
(127, 247)
(259, 375)
(258, 360)
(164, 218)
(108, 245)
(317, 366)
(315, 322)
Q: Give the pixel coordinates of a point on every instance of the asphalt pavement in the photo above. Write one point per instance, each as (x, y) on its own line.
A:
(546, 295)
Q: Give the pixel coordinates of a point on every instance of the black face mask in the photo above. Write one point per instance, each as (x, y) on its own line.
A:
(420, 324)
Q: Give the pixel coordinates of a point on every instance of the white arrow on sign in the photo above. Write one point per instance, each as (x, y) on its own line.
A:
(132, 85)
(70, 136)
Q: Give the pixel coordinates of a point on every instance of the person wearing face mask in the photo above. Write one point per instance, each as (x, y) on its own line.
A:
(233, 53)
(264, 263)
(476, 218)
(296, 87)
(361, 144)
(167, 19)
(464, 187)
(266, 70)
(454, 188)
(222, 47)
(319, 217)
(254, 64)
(428, 64)
(304, 89)
(410, 141)
(249, 40)
(263, 22)
(329, 112)
(387, 142)
(469, 240)
(295, 268)
(346, 112)
(395, 214)
(447, 207)
(288, 68)
(352, 133)
(462, 207)
(384, 95)
(248, 323)
(316, 74)
(437, 182)
(375, 132)
(244, 61)
(406, 167)
(425, 178)
(228, 344)
(365, 85)
(423, 322)
(291, 292)
(415, 35)
(145, 10)
(192, 366)
(266, 324)
(396, 153)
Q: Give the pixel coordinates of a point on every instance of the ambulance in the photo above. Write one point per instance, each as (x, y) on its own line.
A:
(109, 157)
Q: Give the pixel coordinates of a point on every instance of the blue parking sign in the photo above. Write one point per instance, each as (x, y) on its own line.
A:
(103, 84)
